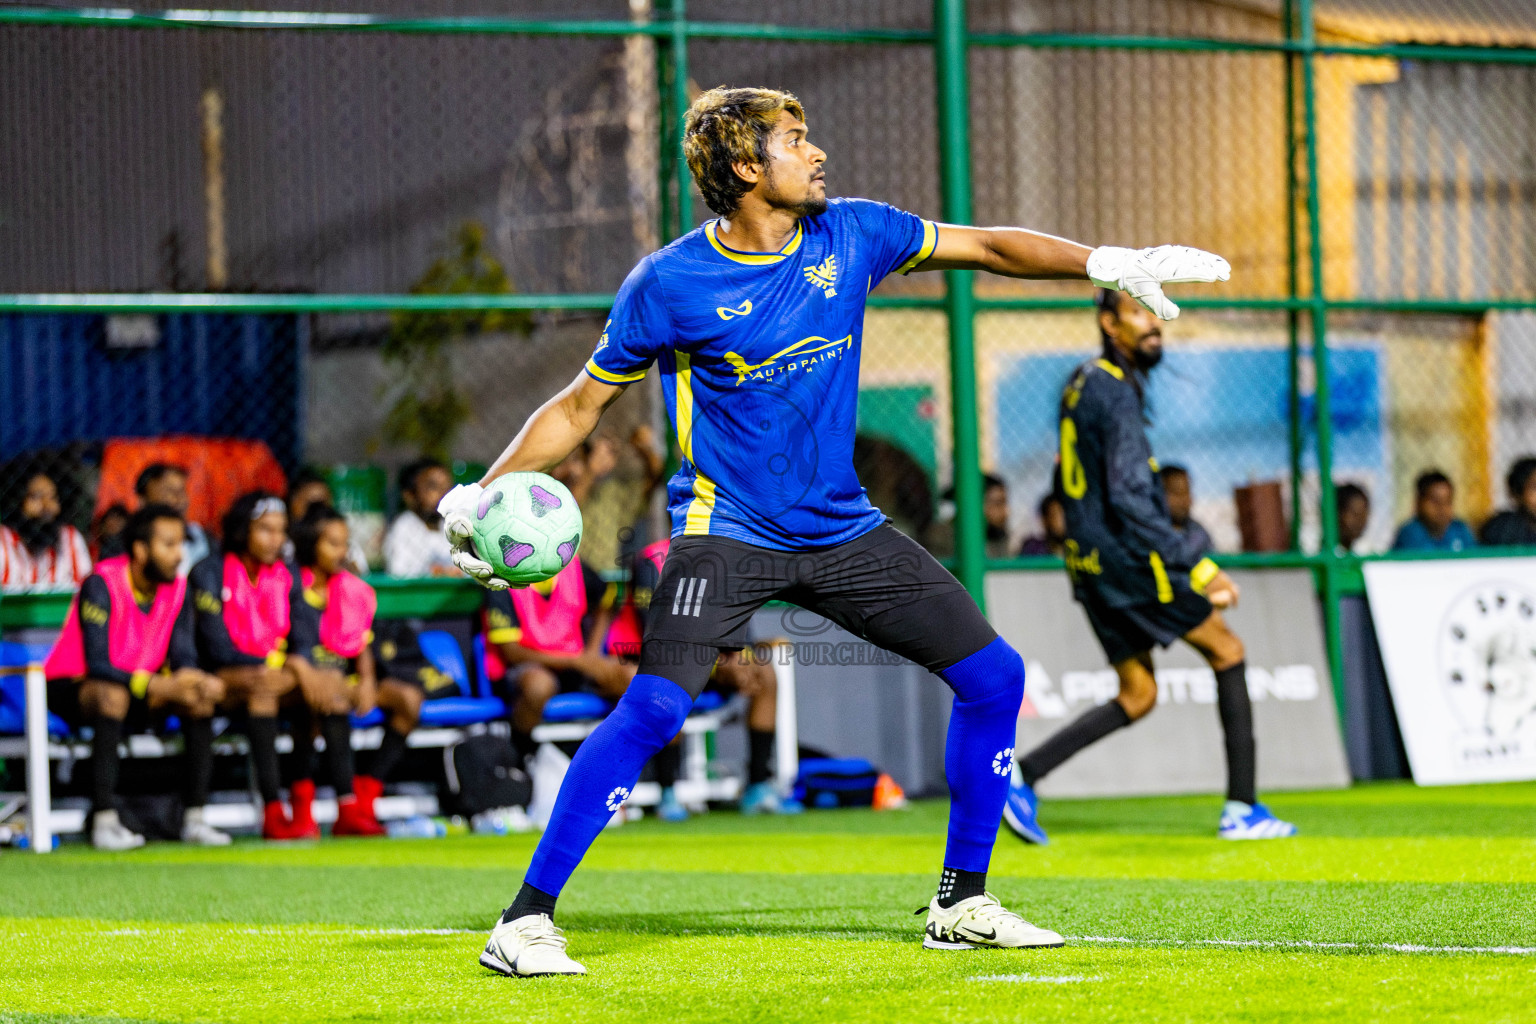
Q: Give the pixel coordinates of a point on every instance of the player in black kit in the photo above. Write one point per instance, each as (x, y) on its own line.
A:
(1131, 573)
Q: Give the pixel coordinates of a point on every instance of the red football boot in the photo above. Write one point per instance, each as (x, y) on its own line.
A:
(275, 823)
(302, 796)
(353, 818)
(368, 789)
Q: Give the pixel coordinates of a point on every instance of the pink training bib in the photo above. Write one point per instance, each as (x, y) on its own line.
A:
(137, 640)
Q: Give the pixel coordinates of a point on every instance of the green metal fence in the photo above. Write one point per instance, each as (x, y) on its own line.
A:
(1256, 127)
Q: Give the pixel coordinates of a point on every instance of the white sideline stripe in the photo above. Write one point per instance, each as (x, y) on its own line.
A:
(1394, 947)
(1038, 979)
(1391, 947)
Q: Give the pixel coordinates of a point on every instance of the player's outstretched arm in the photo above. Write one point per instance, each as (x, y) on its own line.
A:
(1018, 252)
(550, 434)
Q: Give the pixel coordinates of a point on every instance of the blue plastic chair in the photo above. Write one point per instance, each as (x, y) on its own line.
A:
(13, 689)
(443, 651)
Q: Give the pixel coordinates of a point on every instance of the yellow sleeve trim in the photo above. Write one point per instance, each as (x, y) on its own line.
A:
(276, 659)
(609, 377)
(1110, 368)
(1160, 574)
(930, 242)
(506, 635)
(1201, 575)
(138, 684)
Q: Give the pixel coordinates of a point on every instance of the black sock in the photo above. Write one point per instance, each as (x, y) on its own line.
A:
(337, 730)
(262, 733)
(523, 743)
(956, 885)
(1090, 727)
(301, 762)
(759, 750)
(669, 765)
(530, 901)
(391, 750)
(1237, 723)
(197, 741)
(104, 762)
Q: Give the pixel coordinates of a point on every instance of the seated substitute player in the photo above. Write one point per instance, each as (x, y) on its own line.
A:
(332, 629)
(547, 639)
(1135, 575)
(756, 321)
(127, 651)
(242, 598)
(735, 672)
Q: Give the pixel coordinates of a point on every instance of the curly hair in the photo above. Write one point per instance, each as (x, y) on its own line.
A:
(726, 126)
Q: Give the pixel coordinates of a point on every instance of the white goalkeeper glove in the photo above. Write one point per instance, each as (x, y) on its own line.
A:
(458, 509)
(1141, 273)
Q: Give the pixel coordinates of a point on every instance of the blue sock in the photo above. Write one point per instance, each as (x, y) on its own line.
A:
(978, 753)
(603, 773)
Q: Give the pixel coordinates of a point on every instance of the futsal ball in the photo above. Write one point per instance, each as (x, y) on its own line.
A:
(527, 526)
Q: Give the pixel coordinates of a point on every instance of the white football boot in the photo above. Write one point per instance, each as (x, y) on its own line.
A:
(982, 922)
(198, 832)
(109, 833)
(527, 948)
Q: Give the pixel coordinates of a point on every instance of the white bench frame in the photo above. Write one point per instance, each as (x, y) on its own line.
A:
(694, 785)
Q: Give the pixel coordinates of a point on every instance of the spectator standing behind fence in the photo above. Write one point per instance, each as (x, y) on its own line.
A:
(1516, 526)
(332, 630)
(37, 548)
(162, 483)
(309, 488)
(127, 652)
(1052, 540)
(1181, 505)
(994, 512)
(1354, 515)
(242, 598)
(618, 493)
(415, 545)
(1434, 526)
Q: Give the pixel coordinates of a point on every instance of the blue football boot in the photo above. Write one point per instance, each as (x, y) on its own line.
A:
(671, 808)
(1245, 821)
(1019, 810)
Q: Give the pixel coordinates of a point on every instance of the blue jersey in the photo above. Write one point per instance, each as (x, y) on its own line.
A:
(759, 356)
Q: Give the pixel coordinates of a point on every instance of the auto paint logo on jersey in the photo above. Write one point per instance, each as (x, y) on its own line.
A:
(800, 358)
(824, 275)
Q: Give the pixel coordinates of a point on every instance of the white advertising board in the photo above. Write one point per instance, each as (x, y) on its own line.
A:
(1458, 638)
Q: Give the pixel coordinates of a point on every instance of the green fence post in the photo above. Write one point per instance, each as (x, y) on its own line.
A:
(1293, 279)
(960, 302)
(1331, 563)
(683, 211)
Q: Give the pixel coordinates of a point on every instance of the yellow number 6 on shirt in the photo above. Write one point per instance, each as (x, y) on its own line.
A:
(1073, 480)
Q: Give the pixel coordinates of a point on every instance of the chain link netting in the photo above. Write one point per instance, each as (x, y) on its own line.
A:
(278, 160)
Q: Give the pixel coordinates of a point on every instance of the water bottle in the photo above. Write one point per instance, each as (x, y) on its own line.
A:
(418, 826)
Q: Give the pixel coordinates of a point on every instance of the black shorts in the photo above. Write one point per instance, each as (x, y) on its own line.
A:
(398, 655)
(882, 587)
(64, 701)
(1126, 632)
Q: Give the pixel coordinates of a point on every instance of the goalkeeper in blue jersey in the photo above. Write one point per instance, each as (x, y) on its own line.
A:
(755, 323)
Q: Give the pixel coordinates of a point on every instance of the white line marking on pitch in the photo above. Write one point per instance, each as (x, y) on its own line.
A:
(1394, 947)
(1389, 947)
(1038, 979)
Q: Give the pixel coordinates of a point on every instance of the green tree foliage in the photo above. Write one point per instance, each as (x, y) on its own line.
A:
(426, 410)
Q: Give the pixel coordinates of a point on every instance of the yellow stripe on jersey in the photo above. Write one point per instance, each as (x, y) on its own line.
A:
(703, 504)
(1110, 368)
(754, 258)
(930, 241)
(1202, 574)
(1160, 574)
(609, 377)
(701, 507)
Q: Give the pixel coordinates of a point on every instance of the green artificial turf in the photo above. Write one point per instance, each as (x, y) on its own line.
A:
(1396, 903)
